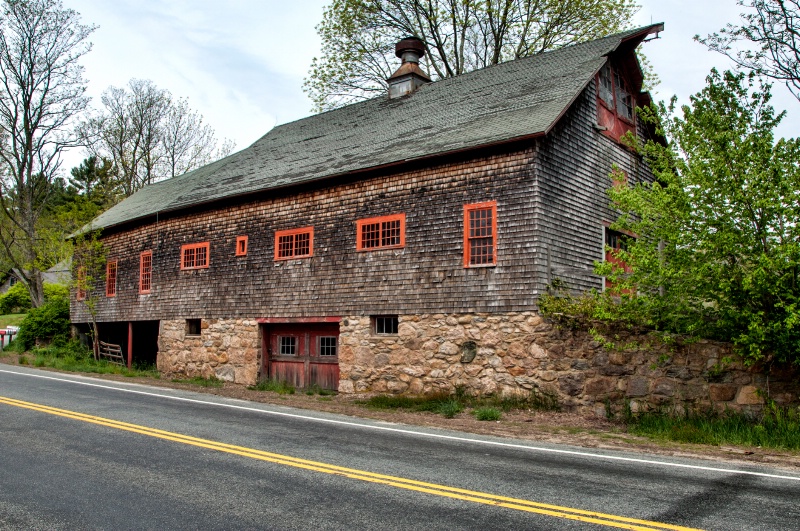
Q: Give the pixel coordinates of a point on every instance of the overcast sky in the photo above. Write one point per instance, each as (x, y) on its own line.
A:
(241, 63)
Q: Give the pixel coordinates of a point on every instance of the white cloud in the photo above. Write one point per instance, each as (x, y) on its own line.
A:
(241, 63)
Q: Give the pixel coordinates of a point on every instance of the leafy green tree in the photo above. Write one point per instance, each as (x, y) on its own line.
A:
(767, 41)
(717, 252)
(358, 37)
(41, 93)
(88, 275)
(95, 179)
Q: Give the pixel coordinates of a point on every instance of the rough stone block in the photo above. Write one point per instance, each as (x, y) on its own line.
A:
(721, 392)
(599, 386)
(749, 395)
(664, 387)
(571, 384)
(638, 386)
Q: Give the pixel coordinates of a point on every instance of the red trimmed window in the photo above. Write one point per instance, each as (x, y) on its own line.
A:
(615, 102)
(619, 179)
(194, 256)
(480, 234)
(295, 243)
(145, 271)
(615, 242)
(385, 232)
(241, 245)
(80, 293)
(111, 278)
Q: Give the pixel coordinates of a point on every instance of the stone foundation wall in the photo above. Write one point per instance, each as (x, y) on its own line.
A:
(227, 349)
(491, 353)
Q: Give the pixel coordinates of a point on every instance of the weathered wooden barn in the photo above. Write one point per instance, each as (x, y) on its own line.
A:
(387, 244)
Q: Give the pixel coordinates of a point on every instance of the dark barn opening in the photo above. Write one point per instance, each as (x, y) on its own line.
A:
(145, 338)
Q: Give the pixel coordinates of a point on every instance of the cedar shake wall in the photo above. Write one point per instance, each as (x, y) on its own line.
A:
(425, 276)
(551, 201)
(572, 204)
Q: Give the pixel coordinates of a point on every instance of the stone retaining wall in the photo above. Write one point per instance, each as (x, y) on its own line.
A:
(227, 349)
(491, 353)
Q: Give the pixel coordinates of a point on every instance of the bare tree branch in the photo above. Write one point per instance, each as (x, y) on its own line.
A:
(41, 94)
(767, 41)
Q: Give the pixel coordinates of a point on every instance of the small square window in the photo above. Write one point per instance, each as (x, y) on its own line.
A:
(193, 327)
(385, 324)
(327, 346)
(241, 245)
(288, 346)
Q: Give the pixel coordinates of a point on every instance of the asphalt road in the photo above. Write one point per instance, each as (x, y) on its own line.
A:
(79, 453)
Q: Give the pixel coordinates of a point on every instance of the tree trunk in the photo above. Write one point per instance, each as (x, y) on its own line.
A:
(36, 288)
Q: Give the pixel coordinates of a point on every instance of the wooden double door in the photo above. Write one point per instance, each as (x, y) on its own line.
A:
(304, 355)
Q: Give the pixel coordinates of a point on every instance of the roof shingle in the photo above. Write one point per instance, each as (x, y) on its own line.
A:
(500, 103)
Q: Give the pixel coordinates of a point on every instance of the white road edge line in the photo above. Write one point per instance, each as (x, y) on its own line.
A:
(417, 433)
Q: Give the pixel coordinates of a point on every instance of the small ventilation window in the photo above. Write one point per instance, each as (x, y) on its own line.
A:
(241, 245)
(385, 325)
(193, 327)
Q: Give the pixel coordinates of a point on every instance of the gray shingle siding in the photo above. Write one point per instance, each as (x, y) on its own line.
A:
(573, 166)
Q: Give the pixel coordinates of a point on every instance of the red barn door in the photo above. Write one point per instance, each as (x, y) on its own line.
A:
(304, 355)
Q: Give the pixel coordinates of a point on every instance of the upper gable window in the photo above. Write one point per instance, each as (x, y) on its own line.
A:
(194, 256)
(615, 102)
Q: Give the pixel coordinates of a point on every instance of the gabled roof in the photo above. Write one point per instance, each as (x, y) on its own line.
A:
(501, 103)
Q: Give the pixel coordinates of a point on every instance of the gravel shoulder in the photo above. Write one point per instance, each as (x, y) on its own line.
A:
(544, 426)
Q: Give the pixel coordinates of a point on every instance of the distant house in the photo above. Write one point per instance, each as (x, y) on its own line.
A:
(58, 274)
(386, 244)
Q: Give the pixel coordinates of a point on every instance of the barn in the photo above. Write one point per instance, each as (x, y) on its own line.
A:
(389, 244)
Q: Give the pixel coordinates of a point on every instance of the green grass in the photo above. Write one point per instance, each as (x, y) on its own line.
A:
(199, 380)
(449, 405)
(777, 428)
(487, 413)
(276, 386)
(11, 319)
(73, 357)
(317, 390)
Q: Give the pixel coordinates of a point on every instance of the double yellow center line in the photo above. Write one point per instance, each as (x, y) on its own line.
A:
(402, 483)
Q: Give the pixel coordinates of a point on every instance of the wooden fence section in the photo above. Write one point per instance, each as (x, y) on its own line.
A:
(112, 352)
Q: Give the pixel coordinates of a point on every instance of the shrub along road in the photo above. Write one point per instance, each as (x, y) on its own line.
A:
(83, 453)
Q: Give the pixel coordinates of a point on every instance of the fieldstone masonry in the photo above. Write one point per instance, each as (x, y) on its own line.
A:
(227, 349)
(491, 353)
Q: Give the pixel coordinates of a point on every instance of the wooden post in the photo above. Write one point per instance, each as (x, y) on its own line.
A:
(130, 344)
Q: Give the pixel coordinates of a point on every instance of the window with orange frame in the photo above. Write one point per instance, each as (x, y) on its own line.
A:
(294, 243)
(194, 256)
(241, 245)
(145, 272)
(111, 278)
(384, 232)
(480, 234)
(80, 292)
